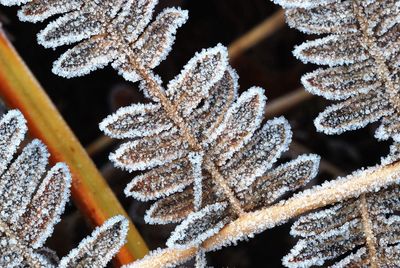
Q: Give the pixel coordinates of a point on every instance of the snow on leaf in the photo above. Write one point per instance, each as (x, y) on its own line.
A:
(117, 32)
(204, 120)
(337, 17)
(86, 57)
(199, 226)
(302, 3)
(98, 249)
(362, 49)
(332, 50)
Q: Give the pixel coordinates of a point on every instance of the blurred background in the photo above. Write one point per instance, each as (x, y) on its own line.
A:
(266, 61)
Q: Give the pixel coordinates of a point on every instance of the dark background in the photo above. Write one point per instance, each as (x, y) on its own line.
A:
(84, 102)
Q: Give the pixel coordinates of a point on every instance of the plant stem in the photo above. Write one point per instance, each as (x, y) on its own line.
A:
(19, 89)
(256, 222)
(368, 232)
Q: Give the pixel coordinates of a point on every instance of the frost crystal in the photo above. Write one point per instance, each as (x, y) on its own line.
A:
(362, 51)
(31, 204)
(206, 156)
(111, 32)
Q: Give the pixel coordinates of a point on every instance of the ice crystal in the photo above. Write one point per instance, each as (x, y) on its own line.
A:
(362, 52)
(117, 32)
(31, 203)
(207, 157)
(361, 232)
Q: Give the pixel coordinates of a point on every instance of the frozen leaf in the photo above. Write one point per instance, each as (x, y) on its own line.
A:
(12, 131)
(137, 120)
(154, 44)
(19, 182)
(150, 152)
(290, 176)
(352, 114)
(332, 50)
(257, 156)
(302, 3)
(86, 57)
(98, 249)
(241, 121)
(48, 203)
(40, 10)
(192, 85)
(161, 181)
(337, 17)
(205, 119)
(199, 226)
(178, 206)
(343, 82)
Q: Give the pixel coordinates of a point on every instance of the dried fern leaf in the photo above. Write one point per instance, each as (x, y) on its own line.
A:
(193, 84)
(111, 32)
(98, 249)
(199, 226)
(362, 51)
(290, 176)
(205, 146)
(176, 207)
(153, 45)
(137, 120)
(353, 113)
(12, 131)
(368, 222)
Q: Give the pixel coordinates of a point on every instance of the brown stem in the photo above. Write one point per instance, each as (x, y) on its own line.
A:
(368, 231)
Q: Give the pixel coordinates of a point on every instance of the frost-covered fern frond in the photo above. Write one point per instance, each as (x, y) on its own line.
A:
(211, 161)
(110, 31)
(361, 232)
(31, 203)
(362, 52)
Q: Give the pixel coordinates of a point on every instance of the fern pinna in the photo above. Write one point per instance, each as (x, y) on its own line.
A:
(362, 51)
(212, 165)
(31, 205)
